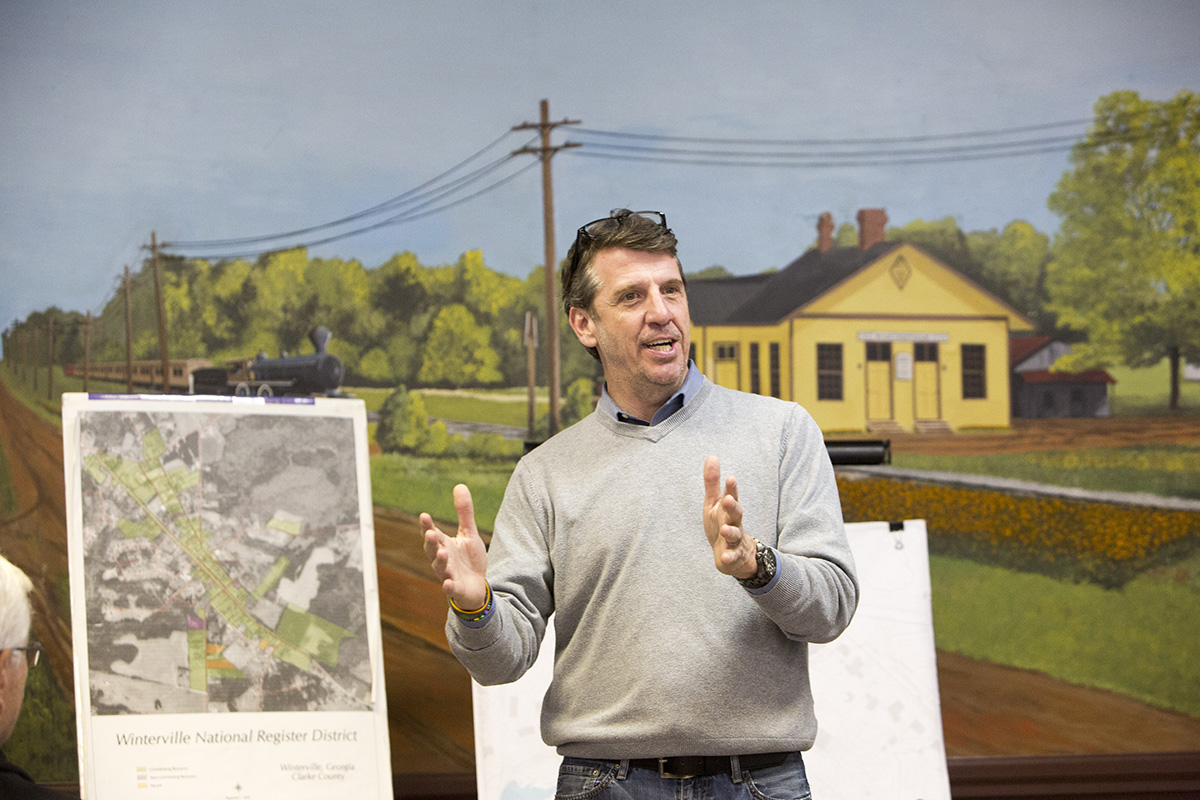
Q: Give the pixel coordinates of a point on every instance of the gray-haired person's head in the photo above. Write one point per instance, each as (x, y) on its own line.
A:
(15, 611)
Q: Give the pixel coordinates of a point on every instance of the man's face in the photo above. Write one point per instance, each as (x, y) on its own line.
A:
(639, 322)
(13, 672)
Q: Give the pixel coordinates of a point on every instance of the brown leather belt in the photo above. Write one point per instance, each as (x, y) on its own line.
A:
(700, 766)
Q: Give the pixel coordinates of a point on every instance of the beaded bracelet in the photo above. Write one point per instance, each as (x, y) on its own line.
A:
(474, 616)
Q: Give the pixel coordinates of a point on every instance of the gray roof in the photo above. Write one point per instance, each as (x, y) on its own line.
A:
(710, 299)
(769, 298)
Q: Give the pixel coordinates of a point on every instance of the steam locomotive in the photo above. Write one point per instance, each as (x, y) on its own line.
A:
(311, 374)
(318, 373)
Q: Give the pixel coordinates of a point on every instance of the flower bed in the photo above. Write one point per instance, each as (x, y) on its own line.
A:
(1105, 543)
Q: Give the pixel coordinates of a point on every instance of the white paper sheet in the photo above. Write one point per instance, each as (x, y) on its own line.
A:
(224, 603)
(875, 690)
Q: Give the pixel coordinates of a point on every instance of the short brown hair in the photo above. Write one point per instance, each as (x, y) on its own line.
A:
(621, 228)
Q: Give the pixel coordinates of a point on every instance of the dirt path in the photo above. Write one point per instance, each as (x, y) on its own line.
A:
(35, 539)
(989, 709)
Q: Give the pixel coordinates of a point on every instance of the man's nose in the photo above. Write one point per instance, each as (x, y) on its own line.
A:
(656, 307)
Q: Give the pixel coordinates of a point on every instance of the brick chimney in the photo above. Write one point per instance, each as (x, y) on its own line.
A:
(872, 227)
(825, 232)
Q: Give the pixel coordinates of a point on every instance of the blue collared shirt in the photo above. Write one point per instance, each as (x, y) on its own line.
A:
(691, 384)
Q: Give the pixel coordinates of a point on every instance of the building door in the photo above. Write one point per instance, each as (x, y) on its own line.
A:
(927, 400)
(879, 380)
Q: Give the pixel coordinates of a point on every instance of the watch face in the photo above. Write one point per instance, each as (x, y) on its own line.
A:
(769, 563)
(765, 557)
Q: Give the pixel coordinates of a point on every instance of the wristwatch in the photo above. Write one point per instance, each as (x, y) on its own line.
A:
(765, 557)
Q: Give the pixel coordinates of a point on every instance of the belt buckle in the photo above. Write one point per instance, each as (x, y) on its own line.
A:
(662, 770)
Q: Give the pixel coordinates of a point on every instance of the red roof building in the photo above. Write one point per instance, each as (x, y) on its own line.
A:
(1038, 390)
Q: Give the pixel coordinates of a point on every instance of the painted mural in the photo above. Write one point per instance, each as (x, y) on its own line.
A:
(1031, 385)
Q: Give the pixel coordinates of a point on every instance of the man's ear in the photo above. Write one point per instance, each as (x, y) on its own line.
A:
(581, 323)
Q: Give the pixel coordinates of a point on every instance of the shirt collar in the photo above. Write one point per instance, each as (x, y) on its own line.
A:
(691, 384)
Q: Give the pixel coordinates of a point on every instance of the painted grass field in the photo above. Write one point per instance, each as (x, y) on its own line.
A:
(1167, 470)
(1143, 392)
(1139, 641)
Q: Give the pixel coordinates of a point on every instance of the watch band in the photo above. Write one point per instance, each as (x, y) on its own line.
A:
(765, 557)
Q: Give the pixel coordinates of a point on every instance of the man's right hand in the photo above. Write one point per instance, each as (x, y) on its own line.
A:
(459, 562)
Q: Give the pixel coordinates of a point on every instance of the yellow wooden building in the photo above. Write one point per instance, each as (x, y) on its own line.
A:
(882, 337)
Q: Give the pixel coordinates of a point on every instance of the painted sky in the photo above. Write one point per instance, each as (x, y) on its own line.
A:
(213, 120)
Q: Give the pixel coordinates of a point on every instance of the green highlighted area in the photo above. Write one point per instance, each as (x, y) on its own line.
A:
(289, 526)
(153, 446)
(145, 529)
(183, 478)
(271, 578)
(128, 473)
(197, 641)
(318, 637)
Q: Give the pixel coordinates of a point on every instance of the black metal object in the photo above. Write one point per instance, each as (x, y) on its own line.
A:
(849, 452)
(308, 374)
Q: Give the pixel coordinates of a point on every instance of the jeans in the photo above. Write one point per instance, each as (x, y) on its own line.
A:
(586, 779)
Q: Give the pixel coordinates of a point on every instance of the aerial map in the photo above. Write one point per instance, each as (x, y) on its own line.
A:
(223, 563)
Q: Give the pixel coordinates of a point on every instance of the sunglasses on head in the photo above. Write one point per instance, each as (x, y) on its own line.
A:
(594, 229)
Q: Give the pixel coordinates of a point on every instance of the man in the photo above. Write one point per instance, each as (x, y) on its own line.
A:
(16, 656)
(674, 661)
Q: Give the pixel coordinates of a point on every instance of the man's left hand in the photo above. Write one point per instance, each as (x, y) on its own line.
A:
(733, 551)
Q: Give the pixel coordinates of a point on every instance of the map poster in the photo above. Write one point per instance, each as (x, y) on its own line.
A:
(224, 598)
(875, 689)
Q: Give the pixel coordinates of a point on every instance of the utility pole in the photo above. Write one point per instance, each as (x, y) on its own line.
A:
(545, 152)
(128, 336)
(87, 349)
(531, 343)
(50, 360)
(162, 322)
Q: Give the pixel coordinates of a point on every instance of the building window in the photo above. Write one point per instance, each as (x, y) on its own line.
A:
(829, 371)
(727, 352)
(773, 354)
(925, 351)
(755, 377)
(974, 376)
(879, 351)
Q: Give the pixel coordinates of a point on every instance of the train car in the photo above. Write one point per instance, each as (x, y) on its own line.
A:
(317, 373)
(145, 374)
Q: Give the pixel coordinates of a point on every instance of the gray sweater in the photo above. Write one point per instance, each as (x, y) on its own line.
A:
(658, 653)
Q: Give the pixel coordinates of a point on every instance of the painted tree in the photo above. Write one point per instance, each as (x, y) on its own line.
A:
(283, 303)
(1013, 263)
(403, 422)
(397, 288)
(1126, 260)
(458, 350)
(343, 300)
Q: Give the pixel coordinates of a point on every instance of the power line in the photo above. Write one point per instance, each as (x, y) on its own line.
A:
(781, 162)
(420, 211)
(837, 154)
(851, 158)
(1075, 123)
(407, 197)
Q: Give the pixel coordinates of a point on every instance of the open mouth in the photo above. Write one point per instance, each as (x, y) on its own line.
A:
(661, 345)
